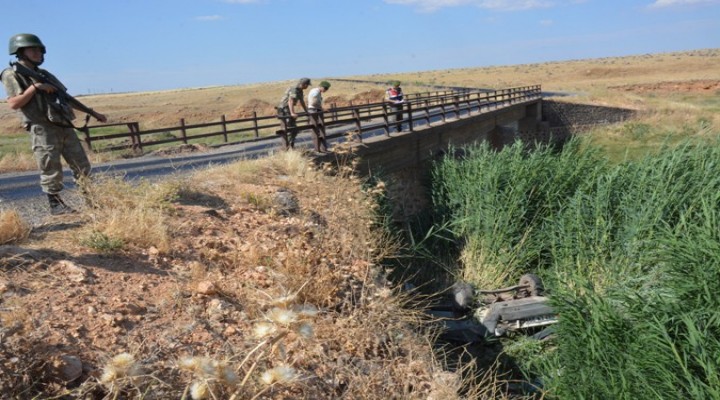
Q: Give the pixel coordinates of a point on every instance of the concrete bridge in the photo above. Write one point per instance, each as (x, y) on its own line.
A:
(498, 125)
(401, 158)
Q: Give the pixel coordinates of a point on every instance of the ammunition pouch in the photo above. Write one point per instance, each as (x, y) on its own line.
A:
(60, 114)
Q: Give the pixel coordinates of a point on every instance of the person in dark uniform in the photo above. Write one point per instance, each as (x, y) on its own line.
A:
(287, 114)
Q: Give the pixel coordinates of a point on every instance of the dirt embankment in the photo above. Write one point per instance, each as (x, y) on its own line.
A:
(256, 278)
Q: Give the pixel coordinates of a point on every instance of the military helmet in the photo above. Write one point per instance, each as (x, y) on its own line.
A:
(325, 84)
(21, 40)
(304, 81)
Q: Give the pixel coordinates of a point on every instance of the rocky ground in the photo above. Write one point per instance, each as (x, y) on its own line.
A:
(261, 283)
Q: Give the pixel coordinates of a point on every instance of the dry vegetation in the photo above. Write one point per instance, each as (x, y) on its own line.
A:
(253, 280)
(258, 279)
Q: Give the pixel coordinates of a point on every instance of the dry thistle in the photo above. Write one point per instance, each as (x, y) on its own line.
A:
(205, 371)
(120, 367)
(282, 374)
(306, 310)
(284, 301)
(263, 329)
(282, 316)
(199, 390)
(306, 330)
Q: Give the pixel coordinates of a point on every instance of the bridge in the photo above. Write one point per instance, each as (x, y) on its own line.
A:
(366, 120)
(431, 123)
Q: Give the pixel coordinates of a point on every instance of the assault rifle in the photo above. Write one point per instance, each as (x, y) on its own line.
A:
(63, 97)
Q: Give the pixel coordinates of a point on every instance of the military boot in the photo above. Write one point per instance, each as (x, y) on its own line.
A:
(58, 207)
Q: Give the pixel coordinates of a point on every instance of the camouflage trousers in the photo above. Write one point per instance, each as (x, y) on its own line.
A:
(49, 144)
(288, 127)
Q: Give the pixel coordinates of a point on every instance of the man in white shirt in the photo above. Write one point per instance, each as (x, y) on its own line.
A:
(315, 110)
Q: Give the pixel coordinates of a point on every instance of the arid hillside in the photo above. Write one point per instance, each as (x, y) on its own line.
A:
(262, 279)
(583, 77)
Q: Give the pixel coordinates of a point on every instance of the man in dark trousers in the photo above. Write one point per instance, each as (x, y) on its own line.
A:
(48, 120)
(288, 115)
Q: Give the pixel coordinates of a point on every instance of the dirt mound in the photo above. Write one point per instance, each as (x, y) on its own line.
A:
(371, 96)
(246, 110)
(692, 86)
(337, 101)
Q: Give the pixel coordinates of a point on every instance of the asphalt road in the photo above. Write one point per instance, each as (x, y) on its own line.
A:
(21, 191)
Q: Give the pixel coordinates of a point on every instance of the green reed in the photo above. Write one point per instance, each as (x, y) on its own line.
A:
(630, 254)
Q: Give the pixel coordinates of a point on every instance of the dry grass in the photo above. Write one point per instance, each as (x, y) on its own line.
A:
(124, 212)
(17, 161)
(250, 299)
(13, 228)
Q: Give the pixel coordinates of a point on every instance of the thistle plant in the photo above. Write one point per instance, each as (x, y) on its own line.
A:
(210, 377)
(121, 372)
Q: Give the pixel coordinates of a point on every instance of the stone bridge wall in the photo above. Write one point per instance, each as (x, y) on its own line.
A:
(573, 116)
(404, 160)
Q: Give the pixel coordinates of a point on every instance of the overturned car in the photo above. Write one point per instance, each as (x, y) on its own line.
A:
(476, 314)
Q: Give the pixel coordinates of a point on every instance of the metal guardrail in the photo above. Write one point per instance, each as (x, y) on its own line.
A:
(353, 119)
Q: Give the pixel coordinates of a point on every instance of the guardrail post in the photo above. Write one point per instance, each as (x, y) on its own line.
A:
(183, 131)
(255, 124)
(386, 119)
(410, 117)
(442, 107)
(427, 111)
(224, 127)
(456, 104)
(134, 129)
(358, 124)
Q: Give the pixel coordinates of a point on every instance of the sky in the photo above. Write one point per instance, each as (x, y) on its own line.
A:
(110, 46)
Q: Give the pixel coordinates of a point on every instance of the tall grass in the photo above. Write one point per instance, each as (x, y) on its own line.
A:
(630, 252)
(498, 203)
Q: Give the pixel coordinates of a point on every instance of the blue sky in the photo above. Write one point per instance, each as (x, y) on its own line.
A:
(102, 46)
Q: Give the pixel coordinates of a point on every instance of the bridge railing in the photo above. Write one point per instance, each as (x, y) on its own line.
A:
(418, 108)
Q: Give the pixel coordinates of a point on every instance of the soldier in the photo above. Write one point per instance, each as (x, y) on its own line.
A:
(394, 96)
(48, 120)
(315, 109)
(287, 114)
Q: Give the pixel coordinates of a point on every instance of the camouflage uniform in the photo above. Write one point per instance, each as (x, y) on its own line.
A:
(50, 140)
(295, 94)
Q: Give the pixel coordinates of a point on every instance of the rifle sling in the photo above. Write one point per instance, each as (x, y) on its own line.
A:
(73, 102)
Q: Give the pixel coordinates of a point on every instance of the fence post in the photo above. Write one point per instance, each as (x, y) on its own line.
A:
(183, 131)
(442, 107)
(134, 128)
(358, 124)
(387, 121)
(410, 117)
(224, 127)
(427, 111)
(255, 124)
